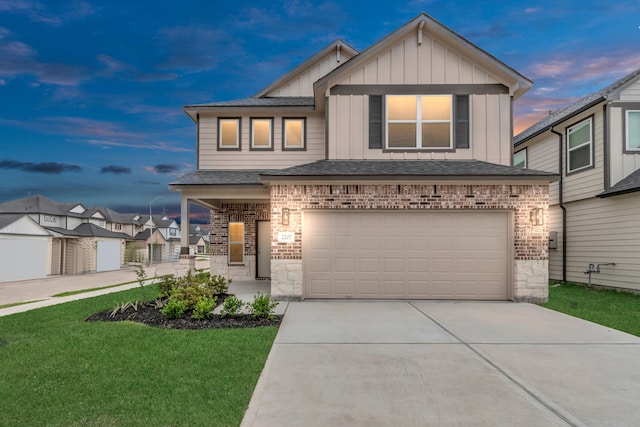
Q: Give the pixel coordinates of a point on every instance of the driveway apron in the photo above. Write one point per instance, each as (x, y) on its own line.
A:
(423, 363)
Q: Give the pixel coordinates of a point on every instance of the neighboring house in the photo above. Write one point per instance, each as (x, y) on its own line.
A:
(594, 144)
(78, 241)
(23, 248)
(380, 174)
(164, 247)
(197, 245)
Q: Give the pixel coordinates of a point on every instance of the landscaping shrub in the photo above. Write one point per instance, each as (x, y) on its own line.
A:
(203, 308)
(174, 309)
(263, 307)
(231, 306)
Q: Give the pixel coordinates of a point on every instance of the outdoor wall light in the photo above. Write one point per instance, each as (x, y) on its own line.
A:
(285, 216)
(536, 216)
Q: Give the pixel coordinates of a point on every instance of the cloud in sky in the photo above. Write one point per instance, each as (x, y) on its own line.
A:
(165, 169)
(45, 167)
(39, 12)
(116, 170)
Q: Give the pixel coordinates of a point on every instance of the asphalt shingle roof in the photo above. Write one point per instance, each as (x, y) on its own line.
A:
(92, 230)
(628, 185)
(280, 101)
(221, 177)
(406, 168)
(565, 112)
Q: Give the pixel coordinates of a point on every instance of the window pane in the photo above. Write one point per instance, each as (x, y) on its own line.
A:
(579, 134)
(436, 108)
(520, 159)
(580, 157)
(402, 135)
(402, 107)
(261, 132)
(229, 133)
(436, 135)
(293, 133)
(633, 130)
(235, 252)
(236, 232)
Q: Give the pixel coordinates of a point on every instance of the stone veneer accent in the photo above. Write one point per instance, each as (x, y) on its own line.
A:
(249, 213)
(530, 243)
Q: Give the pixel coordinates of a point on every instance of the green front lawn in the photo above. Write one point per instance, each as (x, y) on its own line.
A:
(58, 370)
(618, 310)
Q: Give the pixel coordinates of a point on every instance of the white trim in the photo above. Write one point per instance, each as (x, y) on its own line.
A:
(253, 129)
(419, 121)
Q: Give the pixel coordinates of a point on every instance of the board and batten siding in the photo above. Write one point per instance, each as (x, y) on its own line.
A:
(211, 158)
(490, 132)
(631, 92)
(302, 84)
(599, 231)
(407, 62)
(621, 164)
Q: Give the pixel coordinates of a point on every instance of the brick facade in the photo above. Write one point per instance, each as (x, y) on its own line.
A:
(530, 243)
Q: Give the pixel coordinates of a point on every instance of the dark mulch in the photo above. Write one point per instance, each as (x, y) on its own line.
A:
(148, 314)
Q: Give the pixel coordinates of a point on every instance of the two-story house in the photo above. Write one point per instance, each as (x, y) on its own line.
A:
(594, 144)
(385, 173)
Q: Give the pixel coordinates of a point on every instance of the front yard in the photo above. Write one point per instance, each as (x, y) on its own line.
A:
(618, 310)
(58, 370)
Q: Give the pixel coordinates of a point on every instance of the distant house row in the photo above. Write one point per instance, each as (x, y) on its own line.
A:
(40, 237)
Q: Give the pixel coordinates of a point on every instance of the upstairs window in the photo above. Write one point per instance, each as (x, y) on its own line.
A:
(261, 134)
(419, 122)
(229, 134)
(293, 133)
(580, 146)
(632, 132)
(520, 159)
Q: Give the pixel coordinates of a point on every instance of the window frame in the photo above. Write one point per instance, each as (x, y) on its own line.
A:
(303, 147)
(419, 122)
(526, 156)
(252, 146)
(230, 242)
(627, 149)
(590, 143)
(238, 146)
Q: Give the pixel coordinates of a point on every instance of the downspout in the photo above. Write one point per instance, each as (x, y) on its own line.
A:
(561, 204)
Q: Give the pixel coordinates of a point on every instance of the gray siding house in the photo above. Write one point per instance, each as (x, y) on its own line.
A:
(594, 215)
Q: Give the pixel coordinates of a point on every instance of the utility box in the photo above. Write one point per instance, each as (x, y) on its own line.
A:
(553, 240)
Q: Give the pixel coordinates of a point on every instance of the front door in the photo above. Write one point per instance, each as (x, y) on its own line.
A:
(264, 250)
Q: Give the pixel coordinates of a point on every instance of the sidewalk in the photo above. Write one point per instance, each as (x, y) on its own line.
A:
(41, 291)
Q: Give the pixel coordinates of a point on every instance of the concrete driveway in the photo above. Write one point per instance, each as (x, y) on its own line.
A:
(424, 363)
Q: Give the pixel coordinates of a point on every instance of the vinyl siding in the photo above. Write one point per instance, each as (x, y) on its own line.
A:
(490, 135)
(600, 231)
(302, 84)
(543, 155)
(211, 158)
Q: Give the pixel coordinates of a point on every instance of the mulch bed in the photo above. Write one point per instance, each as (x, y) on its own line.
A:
(150, 315)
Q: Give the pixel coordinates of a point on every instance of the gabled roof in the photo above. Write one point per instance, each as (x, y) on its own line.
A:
(38, 204)
(630, 184)
(338, 43)
(23, 224)
(117, 217)
(575, 108)
(406, 169)
(519, 84)
(92, 230)
(62, 232)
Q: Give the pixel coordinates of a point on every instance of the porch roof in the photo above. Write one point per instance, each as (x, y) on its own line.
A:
(222, 177)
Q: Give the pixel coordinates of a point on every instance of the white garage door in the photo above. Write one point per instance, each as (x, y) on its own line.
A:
(23, 258)
(108, 255)
(410, 255)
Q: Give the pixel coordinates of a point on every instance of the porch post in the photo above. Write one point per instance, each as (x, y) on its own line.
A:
(184, 225)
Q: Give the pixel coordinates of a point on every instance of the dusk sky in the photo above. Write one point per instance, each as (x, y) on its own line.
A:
(91, 92)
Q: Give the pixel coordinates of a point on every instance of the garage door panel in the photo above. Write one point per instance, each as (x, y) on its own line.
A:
(406, 254)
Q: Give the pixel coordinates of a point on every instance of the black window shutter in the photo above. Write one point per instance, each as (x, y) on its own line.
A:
(375, 121)
(462, 121)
